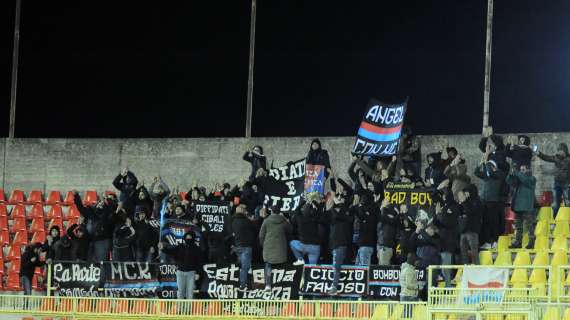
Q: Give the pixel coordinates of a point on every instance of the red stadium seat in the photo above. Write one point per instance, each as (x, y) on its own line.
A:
(2, 197)
(4, 238)
(69, 198)
(3, 223)
(16, 197)
(182, 195)
(38, 225)
(90, 198)
(35, 196)
(37, 212)
(110, 193)
(3, 210)
(14, 253)
(21, 238)
(55, 212)
(54, 197)
(72, 214)
(56, 222)
(18, 225)
(13, 282)
(18, 211)
(15, 266)
(39, 237)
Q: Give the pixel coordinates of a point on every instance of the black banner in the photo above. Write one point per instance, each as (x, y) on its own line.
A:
(131, 279)
(214, 214)
(77, 279)
(285, 184)
(408, 193)
(318, 280)
(380, 129)
(173, 232)
(384, 282)
(223, 282)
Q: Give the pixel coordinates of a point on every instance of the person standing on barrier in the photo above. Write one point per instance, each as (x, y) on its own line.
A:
(243, 231)
(494, 215)
(471, 212)
(522, 203)
(342, 222)
(386, 232)
(188, 259)
(273, 239)
(29, 261)
(409, 279)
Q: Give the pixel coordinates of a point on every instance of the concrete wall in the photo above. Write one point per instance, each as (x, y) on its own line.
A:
(87, 164)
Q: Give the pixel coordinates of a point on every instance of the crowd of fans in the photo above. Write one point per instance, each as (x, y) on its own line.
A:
(353, 224)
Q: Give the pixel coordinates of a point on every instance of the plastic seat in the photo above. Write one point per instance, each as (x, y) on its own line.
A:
(538, 275)
(563, 214)
(90, 198)
(13, 282)
(561, 229)
(559, 243)
(4, 237)
(3, 223)
(39, 237)
(546, 214)
(21, 238)
(15, 252)
(36, 212)
(542, 229)
(519, 276)
(541, 243)
(552, 313)
(566, 314)
(17, 197)
(54, 197)
(15, 266)
(3, 210)
(38, 224)
(540, 258)
(18, 225)
(486, 258)
(35, 196)
(2, 199)
(504, 243)
(182, 195)
(72, 214)
(55, 212)
(69, 198)
(18, 211)
(56, 222)
(559, 258)
(504, 259)
(522, 259)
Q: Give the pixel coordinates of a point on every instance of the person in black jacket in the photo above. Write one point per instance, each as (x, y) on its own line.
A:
(123, 237)
(29, 261)
(146, 237)
(63, 249)
(434, 172)
(99, 225)
(319, 156)
(307, 222)
(188, 259)
(127, 183)
(49, 245)
(446, 221)
(520, 153)
(386, 230)
(257, 159)
(471, 213)
(77, 233)
(341, 236)
(406, 227)
(367, 214)
(244, 235)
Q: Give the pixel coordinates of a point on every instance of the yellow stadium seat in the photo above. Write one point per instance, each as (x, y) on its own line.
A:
(540, 289)
(486, 258)
(522, 259)
(519, 276)
(525, 240)
(540, 258)
(504, 243)
(542, 229)
(559, 258)
(552, 313)
(398, 313)
(537, 275)
(381, 312)
(563, 214)
(493, 317)
(546, 214)
(516, 317)
(561, 229)
(504, 259)
(420, 312)
(541, 243)
(458, 275)
(566, 314)
(559, 244)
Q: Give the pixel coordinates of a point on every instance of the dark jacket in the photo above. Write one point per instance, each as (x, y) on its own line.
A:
(63, 249)
(458, 177)
(387, 227)
(273, 238)
(368, 218)
(50, 248)
(244, 231)
(500, 154)
(99, 219)
(341, 222)
(79, 246)
(28, 267)
(257, 162)
(158, 197)
(146, 235)
(523, 196)
(448, 225)
(188, 256)
(491, 189)
(404, 233)
(308, 224)
(561, 163)
(435, 169)
(427, 249)
(520, 154)
(319, 157)
(472, 212)
(127, 185)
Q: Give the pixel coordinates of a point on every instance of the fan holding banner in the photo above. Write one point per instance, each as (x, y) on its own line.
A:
(380, 129)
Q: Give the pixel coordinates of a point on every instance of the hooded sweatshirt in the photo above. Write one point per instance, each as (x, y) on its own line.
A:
(521, 154)
(408, 280)
(187, 255)
(500, 154)
(258, 161)
(319, 156)
(561, 163)
(435, 170)
(273, 238)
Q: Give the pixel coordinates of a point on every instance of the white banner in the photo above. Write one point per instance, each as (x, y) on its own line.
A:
(483, 285)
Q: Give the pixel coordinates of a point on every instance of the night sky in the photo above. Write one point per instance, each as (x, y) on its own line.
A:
(179, 68)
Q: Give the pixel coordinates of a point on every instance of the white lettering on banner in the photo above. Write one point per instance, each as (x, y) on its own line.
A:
(388, 292)
(386, 115)
(286, 202)
(288, 172)
(365, 147)
(345, 274)
(386, 274)
(120, 271)
(77, 273)
(291, 186)
(211, 208)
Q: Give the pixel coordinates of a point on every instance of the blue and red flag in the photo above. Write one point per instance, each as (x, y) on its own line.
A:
(380, 129)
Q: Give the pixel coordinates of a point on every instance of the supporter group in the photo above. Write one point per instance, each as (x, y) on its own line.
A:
(353, 223)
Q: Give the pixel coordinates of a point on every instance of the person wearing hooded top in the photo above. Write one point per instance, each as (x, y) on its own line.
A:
(406, 228)
(561, 162)
(434, 172)
(99, 225)
(319, 156)
(470, 218)
(427, 243)
(49, 245)
(446, 221)
(307, 222)
(146, 237)
(494, 215)
(123, 238)
(188, 259)
(126, 182)
(411, 150)
(456, 172)
(342, 221)
(62, 249)
(452, 153)
(521, 153)
(80, 241)
(29, 261)
(257, 160)
(243, 232)
(159, 193)
(367, 214)
(273, 240)
(386, 231)
(494, 148)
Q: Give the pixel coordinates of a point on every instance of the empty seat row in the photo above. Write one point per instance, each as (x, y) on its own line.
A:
(38, 211)
(54, 197)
